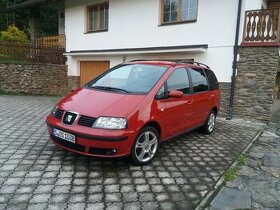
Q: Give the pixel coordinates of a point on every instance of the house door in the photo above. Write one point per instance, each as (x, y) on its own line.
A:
(92, 69)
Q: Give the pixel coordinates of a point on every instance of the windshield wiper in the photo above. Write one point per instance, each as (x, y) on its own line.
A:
(110, 88)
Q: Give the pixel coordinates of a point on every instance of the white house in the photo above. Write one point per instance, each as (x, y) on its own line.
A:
(103, 33)
(238, 39)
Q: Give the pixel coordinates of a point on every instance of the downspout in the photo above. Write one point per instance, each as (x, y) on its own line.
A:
(234, 64)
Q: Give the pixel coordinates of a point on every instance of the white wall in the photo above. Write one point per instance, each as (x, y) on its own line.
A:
(135, 24)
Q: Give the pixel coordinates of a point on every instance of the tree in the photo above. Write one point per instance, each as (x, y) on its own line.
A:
(13, 34)
(20, 18)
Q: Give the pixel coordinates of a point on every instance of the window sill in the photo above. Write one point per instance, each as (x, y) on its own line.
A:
(97, 31)
(176, 23)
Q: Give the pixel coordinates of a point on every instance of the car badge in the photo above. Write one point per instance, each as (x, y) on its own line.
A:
(69, 118)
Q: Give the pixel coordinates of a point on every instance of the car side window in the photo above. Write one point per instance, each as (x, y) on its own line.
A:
(199, 80)
(179, 80)
(212, 79)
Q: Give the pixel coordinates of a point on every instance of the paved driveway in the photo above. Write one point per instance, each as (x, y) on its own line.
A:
(35, 174)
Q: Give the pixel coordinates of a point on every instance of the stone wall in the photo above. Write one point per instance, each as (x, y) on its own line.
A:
(255, 81)
(225, 95)
(276, 94)
(73, 82)
(35, 79)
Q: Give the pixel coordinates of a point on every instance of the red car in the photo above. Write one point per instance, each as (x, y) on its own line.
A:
(131, 108)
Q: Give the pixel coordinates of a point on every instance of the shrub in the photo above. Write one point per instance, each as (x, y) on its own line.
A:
(13, 34)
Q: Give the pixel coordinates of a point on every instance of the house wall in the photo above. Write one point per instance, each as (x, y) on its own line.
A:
(35, 79)
(134, 30)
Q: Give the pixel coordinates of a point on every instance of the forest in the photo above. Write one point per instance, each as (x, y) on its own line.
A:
(20, 18)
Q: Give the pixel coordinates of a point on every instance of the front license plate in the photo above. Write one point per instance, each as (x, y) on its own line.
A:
(63, 135)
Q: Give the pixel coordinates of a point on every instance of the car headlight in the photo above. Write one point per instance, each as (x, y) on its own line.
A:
(54, 110)
(110, 123)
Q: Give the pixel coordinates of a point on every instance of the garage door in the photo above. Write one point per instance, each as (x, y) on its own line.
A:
(92, 69)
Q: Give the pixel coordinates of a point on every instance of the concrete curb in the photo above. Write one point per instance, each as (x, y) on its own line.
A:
(221, 181)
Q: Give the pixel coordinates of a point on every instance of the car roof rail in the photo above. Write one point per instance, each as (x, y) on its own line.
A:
(139, 60)
(189, 61)
(192, 62)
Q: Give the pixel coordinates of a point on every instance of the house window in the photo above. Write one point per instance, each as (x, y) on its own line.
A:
(98, 16)
(174, 11)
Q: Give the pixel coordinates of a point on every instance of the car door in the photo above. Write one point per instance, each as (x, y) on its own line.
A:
(178, 112)
(202, 101)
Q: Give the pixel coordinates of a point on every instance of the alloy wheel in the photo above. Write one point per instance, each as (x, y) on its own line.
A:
(211, 122)
(146, 146)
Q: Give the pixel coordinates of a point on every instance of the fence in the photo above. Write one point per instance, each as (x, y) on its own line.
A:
(58, 40)
(261, 27)
(31, 52)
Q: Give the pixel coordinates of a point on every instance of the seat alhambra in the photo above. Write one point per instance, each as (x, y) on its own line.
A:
(131, 108)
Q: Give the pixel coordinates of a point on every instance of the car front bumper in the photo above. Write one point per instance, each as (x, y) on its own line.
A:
(92, 142)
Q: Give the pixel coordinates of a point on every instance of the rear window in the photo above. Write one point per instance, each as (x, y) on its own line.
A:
(212, 79)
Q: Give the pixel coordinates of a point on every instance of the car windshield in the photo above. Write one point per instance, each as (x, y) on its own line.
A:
(129, 78)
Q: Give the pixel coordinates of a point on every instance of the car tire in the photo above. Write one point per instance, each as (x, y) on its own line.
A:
(145, 146)
(210, 123)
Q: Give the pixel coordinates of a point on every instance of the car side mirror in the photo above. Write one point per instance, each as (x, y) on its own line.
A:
(175, 94)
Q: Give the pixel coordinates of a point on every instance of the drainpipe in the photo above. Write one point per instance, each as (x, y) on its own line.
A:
(234, 64)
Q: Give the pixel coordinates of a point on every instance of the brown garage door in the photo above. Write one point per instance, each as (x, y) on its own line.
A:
(92, 69)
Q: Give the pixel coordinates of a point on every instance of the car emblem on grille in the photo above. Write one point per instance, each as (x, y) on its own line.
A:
(69, 118)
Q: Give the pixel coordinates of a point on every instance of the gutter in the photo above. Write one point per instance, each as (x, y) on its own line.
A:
(234, 64)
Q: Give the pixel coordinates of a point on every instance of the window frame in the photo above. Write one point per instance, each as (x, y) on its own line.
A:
(179, 15)
(89, 20)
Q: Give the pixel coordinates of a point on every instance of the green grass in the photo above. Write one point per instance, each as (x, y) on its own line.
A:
(230, 174)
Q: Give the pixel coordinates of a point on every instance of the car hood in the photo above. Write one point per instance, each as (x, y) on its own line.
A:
(95, 103)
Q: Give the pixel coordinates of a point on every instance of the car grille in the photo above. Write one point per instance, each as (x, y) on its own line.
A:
(58, 113)
(67, 144)
(86, 121)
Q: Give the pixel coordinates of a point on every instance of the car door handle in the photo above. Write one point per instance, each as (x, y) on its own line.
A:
(189, 101)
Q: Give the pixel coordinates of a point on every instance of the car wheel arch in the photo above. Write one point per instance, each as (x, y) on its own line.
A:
(215, 109)
(153, 124)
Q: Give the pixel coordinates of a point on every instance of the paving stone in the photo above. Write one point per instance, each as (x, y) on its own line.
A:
(265, 200)
(113, 197)
(20, 198)
(272, 160)
(130, 197)
(40, 198)
(77, 198)
(232, 199)
(95, 198)
(132, 206)
(58, 198)
(95, 206)
(57, 206)
(16, 207)
(75, 206)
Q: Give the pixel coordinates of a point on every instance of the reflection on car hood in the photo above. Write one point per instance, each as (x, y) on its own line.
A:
(96, 103)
